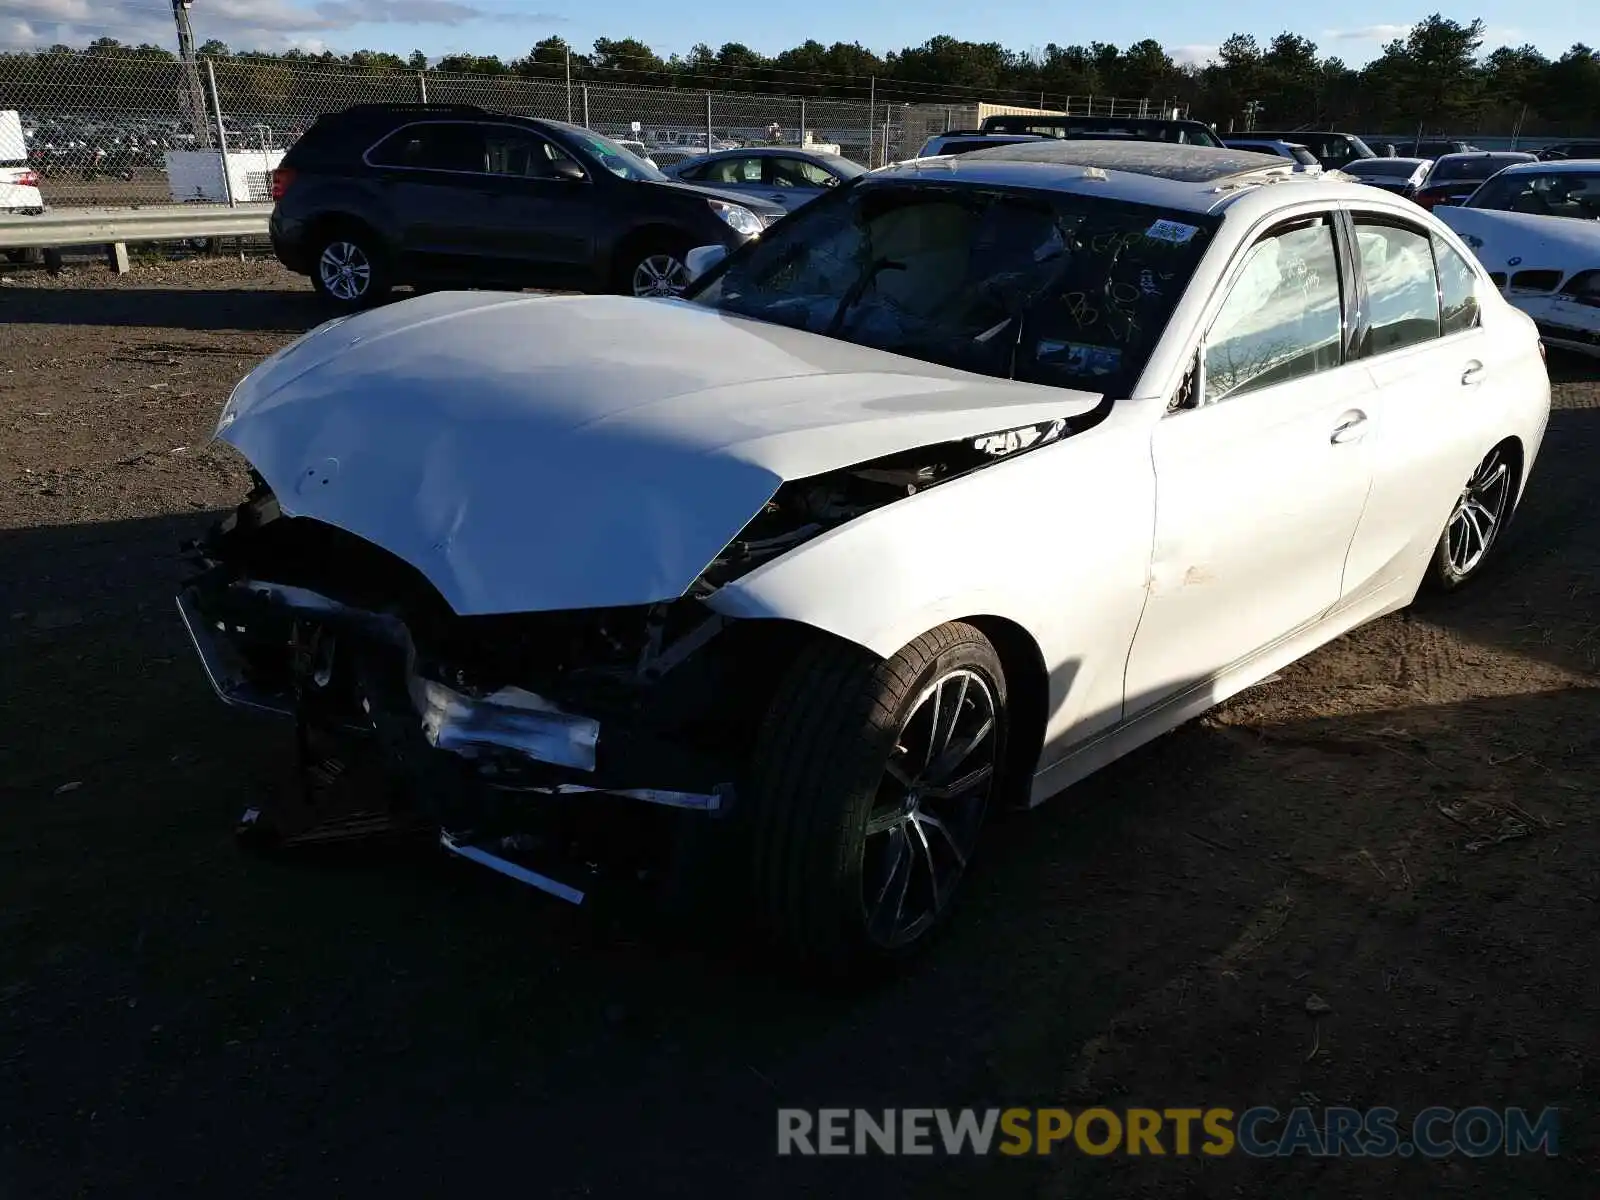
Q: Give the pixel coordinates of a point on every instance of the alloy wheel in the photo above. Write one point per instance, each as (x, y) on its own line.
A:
(1478, 513)
(929, 808)
(660, 275)
(345, 270)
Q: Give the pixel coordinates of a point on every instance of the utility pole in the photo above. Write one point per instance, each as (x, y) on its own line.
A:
(195, 101)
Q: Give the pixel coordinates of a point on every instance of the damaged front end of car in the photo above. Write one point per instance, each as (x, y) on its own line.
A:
(560, 748)
(517, 739)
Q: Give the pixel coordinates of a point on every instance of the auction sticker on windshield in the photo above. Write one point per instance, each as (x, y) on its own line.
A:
(1171, 231)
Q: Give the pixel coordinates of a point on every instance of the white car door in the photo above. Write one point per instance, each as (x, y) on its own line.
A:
(1439, 378)
(1259, 485)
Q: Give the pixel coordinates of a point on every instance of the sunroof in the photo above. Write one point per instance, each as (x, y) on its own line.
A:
(1166, 160)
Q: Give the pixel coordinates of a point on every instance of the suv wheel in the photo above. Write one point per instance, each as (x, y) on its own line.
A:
(349, 270)
(655, 269)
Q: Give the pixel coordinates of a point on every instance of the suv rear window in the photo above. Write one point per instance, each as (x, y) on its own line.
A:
(1476, 167)
(432, 146)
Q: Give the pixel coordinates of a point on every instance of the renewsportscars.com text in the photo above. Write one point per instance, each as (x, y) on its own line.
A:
(1258, 1132)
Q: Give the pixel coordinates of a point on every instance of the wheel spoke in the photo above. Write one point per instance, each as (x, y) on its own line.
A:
(928, 819)
(960, 752)
(933, 870)
(958, 788)
(933, 727)
(884, 821)
(955, 714)
(891, 899)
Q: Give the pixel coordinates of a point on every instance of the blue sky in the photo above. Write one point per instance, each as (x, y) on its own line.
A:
(1355, 30)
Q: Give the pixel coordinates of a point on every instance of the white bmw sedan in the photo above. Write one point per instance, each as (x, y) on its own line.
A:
(952, 488)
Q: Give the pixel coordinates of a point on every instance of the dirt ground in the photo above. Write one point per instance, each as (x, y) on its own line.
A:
(1401, 826)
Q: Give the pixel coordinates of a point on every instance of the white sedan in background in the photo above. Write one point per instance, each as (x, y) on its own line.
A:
(1536, 227)
(952, 488)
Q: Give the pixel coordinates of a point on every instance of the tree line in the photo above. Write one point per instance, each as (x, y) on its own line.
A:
(1437, 78)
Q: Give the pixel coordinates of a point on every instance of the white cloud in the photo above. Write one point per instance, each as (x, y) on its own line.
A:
(243, 24)
(1367, 33)
(1193, 55)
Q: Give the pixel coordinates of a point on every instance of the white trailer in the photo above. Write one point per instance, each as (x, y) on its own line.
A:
(208, 176)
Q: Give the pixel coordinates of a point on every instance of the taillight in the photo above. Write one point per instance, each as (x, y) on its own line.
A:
(28, 179)
(281, 180)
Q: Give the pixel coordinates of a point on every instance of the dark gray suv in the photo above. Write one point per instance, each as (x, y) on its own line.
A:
(447, 195)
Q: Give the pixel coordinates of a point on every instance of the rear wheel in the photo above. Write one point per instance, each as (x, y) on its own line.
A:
(1480, 514)
(350, 271)
(871, 783)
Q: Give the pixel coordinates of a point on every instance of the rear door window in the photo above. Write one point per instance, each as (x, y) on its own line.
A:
(1402, 287)
(797, 172)
(432, 146)
(739, 169)
(1458, 290)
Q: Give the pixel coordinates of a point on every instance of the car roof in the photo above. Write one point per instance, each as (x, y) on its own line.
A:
(978, 135)
(769, 151)
(1415, 162)
(1196, 179)
(1515, 156)
(1575, 166)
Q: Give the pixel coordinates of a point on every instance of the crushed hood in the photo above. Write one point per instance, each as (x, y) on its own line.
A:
(531, 453)
(1512, 242)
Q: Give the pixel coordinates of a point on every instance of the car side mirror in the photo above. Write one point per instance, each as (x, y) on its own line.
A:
(565, 168)
(702, 258)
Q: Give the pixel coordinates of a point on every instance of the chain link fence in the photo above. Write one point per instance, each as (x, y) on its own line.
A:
(126, 129)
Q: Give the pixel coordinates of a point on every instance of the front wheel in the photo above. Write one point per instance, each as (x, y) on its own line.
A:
(350, 272)
(871, 781)
(1475, 524)
(657, 269)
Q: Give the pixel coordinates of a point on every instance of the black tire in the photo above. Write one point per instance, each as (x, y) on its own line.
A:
(369, 280)
(821, 780)
(1477, 522)
(636, 261)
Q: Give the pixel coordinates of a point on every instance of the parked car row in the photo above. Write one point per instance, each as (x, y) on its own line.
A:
(447, 195)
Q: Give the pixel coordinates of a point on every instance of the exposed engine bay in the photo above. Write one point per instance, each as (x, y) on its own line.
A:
(524, 738)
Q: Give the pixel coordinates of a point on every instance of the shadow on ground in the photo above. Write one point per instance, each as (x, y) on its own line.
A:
(200, 309)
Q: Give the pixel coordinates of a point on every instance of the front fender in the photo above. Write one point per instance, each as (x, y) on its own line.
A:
(1056, 541)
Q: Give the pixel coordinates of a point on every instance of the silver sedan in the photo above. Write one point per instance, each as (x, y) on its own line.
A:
(785, 175)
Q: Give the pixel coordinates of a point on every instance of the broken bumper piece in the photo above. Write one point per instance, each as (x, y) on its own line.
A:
(506, 778)
(511, 870)
(509, 719)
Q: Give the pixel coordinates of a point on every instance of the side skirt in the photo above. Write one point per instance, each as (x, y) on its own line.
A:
(1193, 701)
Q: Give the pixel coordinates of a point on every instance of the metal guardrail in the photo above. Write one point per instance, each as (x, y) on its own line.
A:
(110, 226)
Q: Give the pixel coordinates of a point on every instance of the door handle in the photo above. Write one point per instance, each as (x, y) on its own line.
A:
(1472, 374)
(1351, 428)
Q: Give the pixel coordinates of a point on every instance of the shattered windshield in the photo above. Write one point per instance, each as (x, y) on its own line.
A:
(1048, 287)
